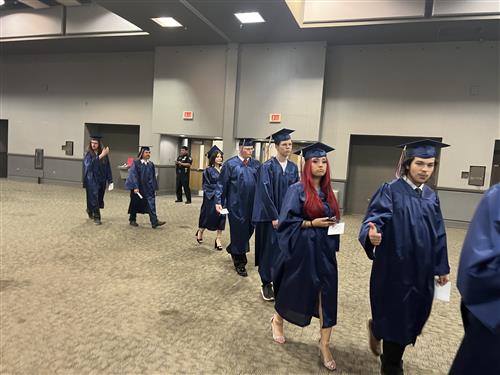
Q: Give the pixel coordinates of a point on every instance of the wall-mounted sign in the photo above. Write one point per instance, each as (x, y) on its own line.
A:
(274, 118)
(187, 115)
(476, 175)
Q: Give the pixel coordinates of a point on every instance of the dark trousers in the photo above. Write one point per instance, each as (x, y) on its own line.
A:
(479, 352)
(182, 182)
(151, 204)
(392, 363)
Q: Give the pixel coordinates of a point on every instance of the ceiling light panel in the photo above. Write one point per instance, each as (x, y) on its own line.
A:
(167, 22)
(249, 17)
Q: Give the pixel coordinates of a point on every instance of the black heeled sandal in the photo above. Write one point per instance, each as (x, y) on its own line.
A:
(197, 239)
(217, 247)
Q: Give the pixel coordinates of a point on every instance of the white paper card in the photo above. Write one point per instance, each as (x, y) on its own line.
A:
(111, 186)
(442, 292)
(224, 211)
(139, 195)
(336, 229)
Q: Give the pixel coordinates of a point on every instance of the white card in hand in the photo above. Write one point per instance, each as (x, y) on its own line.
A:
(442, 292)
(111, 186)
(224, 211)
(336, 229)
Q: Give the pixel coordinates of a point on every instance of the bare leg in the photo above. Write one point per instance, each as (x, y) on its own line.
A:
(217, 239)
(324, 341)
(199, 234)
(277, 328)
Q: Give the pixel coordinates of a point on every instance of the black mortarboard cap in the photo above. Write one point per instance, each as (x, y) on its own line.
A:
(247, 142)
(426, 148)
(214, 150)
(282, 135)
(142, 149)
(316, 150)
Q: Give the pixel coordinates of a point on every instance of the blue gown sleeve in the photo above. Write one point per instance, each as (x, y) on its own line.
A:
(207, 185)
(222, 186)
(479, 269)
(379, 212)
(264, 207)
(90, 163)
(132, 181)
(442, 266)
(290, 218)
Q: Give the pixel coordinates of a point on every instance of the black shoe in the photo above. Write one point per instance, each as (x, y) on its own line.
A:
(178, 201)
(91, 215)
(97, 221)
(217, 247)
(241, 271)
(134, 224)
(267, 292)
(188, 202)
(199, 240)
(158, 224)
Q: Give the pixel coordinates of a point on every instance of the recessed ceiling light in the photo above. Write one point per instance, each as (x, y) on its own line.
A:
(167, 22)
(249, 17)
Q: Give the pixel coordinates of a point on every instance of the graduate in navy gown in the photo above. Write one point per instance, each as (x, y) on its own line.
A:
(97, 173)
(236, 191)
(403, 234)
(479, 284)
(305, 274)
(141, 181)
(273, 179)
(210, 219)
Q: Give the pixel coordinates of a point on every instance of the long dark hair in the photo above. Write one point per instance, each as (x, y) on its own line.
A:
(313, 207)
(99, 149)
(211, 161)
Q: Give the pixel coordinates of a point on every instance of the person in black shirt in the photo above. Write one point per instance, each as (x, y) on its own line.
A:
(183, 165)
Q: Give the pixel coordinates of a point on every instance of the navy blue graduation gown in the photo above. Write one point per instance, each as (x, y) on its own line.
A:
(413, 250)
(143, 177)
(209, 217)
(236, 191)
(272, 185)
(479, 284)
(306, 265)
(96, 173)
(479, 270)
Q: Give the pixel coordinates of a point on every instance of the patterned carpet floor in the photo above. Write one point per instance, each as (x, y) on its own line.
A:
(76, 298)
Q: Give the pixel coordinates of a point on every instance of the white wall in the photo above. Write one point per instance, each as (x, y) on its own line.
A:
(48, 98)
(448, 90)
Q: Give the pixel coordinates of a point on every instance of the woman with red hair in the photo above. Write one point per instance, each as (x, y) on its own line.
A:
(305, 273)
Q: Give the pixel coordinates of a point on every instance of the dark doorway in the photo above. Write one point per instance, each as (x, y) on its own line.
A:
(372, 161)
(495, 167)
(4, 142)
(123, 143)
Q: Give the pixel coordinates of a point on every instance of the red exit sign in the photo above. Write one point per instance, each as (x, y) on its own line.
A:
(274, 117)
(187, 115)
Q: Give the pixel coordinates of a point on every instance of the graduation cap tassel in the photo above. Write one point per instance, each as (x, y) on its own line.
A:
(400, 163)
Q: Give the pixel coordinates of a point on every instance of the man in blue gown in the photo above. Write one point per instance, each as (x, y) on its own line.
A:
(403, 233)
(479, 284)
(236, 191)
(141, 181)
(273, 179)
(97, 173)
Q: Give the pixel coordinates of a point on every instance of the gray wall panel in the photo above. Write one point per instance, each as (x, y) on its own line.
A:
(23, 166)
(280, 78)
(166, 179)
(189, 79)
(458, 205)
(62, 169)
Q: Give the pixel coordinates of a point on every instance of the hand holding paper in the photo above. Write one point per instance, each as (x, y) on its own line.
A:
(337, 228)
(111, 186)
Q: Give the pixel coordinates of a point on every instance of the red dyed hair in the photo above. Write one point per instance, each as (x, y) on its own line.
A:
(313, 207)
